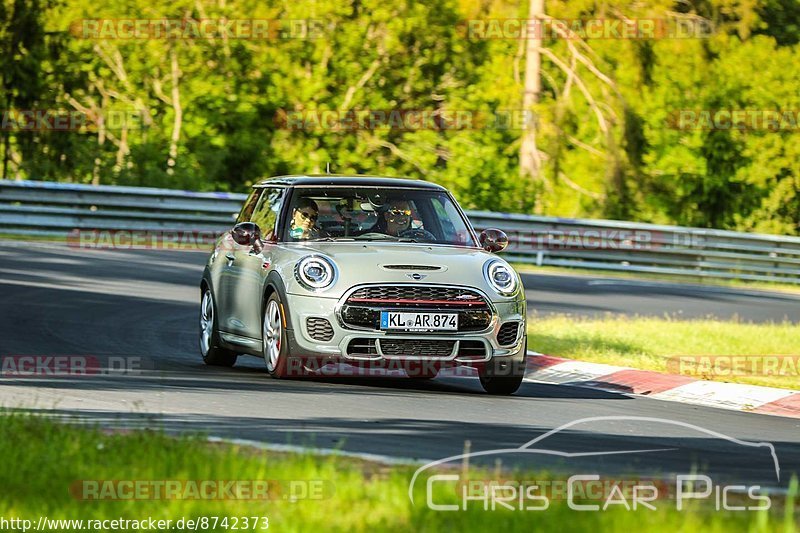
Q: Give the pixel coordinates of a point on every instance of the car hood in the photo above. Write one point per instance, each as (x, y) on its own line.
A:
(360, 263)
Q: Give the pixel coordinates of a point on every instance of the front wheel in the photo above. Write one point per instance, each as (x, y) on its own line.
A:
(501, 377)
(501, 385)
(276, 349)
(209, 341)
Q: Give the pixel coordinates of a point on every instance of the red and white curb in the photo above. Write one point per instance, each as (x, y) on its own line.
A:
(672, 387)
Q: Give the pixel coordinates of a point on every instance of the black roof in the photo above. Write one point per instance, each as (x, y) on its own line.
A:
(348, 181)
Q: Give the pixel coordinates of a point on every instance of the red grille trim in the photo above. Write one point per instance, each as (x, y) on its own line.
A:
(460, 303)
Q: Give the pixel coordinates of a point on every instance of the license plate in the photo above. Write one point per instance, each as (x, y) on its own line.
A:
(419, 321)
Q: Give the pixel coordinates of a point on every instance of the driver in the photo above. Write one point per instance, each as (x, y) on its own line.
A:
(396, 221)
(303, 225)
(397, 217)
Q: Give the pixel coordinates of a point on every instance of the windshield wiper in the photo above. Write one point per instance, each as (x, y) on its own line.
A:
(384, 238)
(331, 239)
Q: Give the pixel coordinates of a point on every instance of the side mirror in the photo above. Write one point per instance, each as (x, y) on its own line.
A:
(493, 240)
(247, 234)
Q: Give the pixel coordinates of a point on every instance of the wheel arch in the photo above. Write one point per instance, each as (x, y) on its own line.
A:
(205, 281)
(274, 284)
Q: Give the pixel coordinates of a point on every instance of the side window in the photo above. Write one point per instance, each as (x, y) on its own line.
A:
(249, 206)
(267, 211)
(416, 217)
(445, 213)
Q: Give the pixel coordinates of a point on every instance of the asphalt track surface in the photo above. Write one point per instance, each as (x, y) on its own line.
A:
(142, 308)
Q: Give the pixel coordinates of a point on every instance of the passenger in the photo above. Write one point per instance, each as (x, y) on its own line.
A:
(303, 225)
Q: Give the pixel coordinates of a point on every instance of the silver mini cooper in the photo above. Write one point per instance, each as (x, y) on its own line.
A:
(370, 272)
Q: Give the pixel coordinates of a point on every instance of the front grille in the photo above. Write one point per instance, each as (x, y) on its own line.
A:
(417, 294)
(362, 347)
(417, 347)
(508, 333)
(319, 329)
(363, 307)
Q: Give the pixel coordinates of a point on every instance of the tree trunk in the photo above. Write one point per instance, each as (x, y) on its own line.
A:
(529, 162)
(6, 147)
(178, 110)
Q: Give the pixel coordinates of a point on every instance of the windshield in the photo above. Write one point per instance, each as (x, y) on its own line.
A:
(375, 214)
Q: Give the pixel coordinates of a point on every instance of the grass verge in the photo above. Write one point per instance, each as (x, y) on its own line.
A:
(43, 460)
(650, 344)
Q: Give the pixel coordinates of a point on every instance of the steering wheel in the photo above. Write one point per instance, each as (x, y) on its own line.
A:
(417, 234)
(372, 235)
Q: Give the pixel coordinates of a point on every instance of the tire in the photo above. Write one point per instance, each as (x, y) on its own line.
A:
(502, 378)
(501, 386)
(210, 349)
(274, 345)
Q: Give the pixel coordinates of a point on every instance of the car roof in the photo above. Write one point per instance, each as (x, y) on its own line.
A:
(345, 181)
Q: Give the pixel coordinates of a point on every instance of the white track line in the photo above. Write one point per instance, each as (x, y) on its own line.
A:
(289, 448)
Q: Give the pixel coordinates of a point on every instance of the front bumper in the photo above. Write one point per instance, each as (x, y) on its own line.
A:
(302, 344)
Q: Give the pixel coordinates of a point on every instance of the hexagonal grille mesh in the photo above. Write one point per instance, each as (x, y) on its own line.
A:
(416, 292)
(508, 333)
(319, 329)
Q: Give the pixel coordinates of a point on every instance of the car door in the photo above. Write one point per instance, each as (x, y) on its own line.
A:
(248, 269)
(221, 268)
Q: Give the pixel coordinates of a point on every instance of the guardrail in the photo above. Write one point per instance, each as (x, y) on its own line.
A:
(45, 208)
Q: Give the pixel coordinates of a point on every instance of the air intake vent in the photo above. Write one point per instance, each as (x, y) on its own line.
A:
(416, 347)
(319, 329)
(471, 350)
(362, 347)
(508, 333)
(412, 267)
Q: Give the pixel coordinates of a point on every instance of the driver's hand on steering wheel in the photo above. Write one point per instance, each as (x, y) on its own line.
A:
(417, 233)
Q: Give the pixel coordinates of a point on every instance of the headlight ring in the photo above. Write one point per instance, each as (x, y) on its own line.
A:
(501, 277)
(316, 272)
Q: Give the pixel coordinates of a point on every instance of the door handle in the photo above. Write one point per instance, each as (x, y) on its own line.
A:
(230, 257)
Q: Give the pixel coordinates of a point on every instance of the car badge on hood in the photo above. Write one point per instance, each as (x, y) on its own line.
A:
(417, 276)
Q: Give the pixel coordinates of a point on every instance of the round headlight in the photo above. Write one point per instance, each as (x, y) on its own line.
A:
(501, 277)
(315, 272)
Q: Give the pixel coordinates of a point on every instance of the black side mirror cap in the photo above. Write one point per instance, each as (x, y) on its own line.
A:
(493, 240)
(248, 234)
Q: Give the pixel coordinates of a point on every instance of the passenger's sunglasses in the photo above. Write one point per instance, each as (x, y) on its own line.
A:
(400, 212)
(308, 216)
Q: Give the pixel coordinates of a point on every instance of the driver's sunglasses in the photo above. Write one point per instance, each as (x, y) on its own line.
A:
(308, 216)
(400, 212)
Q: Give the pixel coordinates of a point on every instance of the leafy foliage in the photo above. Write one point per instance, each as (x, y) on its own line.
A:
(210, 114)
